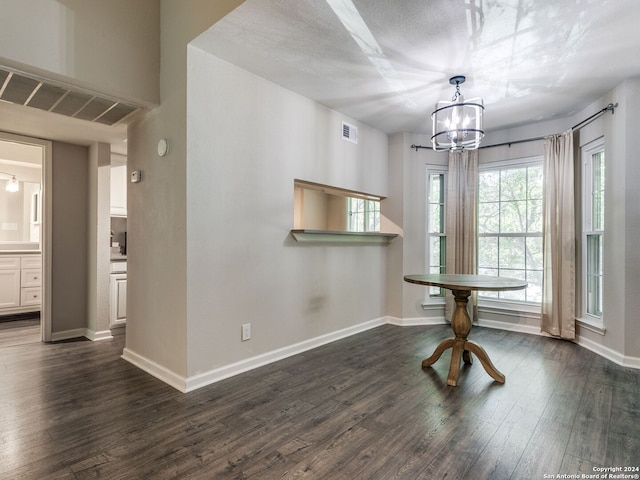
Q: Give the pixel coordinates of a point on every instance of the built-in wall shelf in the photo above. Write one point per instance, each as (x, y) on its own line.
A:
(328, 236)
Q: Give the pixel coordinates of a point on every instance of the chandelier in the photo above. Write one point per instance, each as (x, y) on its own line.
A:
(457, 125)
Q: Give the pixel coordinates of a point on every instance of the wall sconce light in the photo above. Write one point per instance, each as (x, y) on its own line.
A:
(457, 125)
(12, 184)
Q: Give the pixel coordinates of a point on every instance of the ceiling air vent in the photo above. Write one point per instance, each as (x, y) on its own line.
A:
(349, 132)
(30, 91)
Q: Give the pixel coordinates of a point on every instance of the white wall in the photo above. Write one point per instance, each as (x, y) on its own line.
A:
(405, 209)
(248, 139)
(156, 207)
(86, 42)
(622, 224)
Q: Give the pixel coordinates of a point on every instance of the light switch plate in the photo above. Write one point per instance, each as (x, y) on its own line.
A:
(136, 176)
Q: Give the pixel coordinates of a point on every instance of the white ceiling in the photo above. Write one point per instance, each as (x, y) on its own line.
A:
(387, 62)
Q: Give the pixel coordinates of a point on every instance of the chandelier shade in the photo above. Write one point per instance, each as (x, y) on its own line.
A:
(457, 125)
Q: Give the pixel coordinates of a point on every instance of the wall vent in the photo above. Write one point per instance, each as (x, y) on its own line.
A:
(30, 91)
(349, 132)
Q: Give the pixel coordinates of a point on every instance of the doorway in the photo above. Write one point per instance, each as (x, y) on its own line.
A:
(25, 233)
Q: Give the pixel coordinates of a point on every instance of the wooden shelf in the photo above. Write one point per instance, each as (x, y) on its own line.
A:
(328, 236)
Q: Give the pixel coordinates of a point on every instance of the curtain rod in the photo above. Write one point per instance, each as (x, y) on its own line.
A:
(578, 125)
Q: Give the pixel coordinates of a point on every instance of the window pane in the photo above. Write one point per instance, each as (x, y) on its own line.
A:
(534, 253)
(436, 219)
(513, 184)
(534, 182)
(534, 289)
(512, 253)
(514, 295)
(513, 217)
(488, 217)
(598, 191)
(534, 215)
(434, 252)
(489, 186)
(436, 188)
(487, 252)
(594, 275)
(594, 254)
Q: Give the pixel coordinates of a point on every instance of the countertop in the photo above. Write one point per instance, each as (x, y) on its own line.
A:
(20, 252)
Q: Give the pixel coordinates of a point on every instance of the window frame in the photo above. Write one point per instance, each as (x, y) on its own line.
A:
(370, 212)
(587, 154)
(499, 302)
(435, 294)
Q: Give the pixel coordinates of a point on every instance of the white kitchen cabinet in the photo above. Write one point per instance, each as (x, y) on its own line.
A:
(118, 308)
(119, 190)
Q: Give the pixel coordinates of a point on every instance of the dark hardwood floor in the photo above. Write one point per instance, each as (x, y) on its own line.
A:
(359, 408)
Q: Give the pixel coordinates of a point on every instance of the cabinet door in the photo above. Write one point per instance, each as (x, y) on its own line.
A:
(118, 313)
(9, 288)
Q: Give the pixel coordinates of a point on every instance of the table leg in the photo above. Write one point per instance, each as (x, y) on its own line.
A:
(462, 348)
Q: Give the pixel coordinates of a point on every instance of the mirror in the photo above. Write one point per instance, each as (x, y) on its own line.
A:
(20, 211)
(324, 208)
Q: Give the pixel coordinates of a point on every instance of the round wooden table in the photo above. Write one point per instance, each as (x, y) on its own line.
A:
(461, 287)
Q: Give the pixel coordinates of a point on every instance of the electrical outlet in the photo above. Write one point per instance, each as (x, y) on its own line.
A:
(246, 332)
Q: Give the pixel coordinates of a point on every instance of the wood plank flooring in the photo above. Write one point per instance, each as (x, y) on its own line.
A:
(359, 408)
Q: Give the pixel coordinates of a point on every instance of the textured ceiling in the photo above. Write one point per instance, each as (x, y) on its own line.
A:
(387, 62)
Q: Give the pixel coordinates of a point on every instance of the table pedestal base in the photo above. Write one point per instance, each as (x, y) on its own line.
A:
(462, 348)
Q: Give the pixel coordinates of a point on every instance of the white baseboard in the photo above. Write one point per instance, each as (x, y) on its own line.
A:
(188, 384)
(95, 336)
(68, 334)
(155, 369)
(217, 374)
(606, 352)
(509, 326)
(609, 354)
(212, 376)
(416, 321)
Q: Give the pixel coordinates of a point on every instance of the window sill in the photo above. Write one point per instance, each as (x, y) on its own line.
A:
(509, 306)
(593, 325)
(429, 304)
(328, 236)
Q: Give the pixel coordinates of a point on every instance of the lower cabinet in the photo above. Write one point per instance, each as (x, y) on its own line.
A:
(118, 310)
(9, 288)
(20, 284)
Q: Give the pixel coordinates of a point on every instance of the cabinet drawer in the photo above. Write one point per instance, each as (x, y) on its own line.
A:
(32, 261)
(9, 263)
(31, 278)
(30, 296)
(119, 267)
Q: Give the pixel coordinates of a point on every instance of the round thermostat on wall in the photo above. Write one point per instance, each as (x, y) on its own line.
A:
(163, 147)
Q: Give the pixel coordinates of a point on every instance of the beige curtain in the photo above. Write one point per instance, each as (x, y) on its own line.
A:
(558, 237)
(461, 224)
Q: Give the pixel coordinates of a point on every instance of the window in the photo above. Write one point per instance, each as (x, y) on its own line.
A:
(436, 239)
(510, 226)
(593, 181)
(364, 215)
